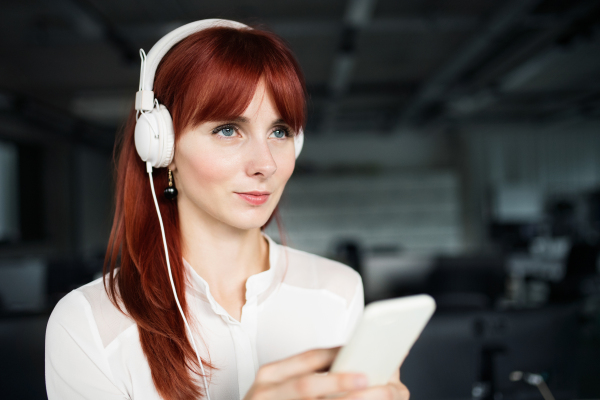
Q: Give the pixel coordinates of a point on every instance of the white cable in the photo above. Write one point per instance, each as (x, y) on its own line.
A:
(162, 230)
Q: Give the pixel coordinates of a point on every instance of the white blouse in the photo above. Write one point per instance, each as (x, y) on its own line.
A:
(301, 302)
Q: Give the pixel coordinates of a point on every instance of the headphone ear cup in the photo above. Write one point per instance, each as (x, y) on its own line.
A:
(298, 142)
(146, 134)
(167, 136)
(154, 137)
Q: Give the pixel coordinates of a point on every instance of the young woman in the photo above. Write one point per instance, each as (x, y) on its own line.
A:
(265, 318)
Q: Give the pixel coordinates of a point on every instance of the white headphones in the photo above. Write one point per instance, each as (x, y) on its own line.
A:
(154, 136)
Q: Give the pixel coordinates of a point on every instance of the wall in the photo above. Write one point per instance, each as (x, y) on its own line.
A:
(418, 212)
(550, 159)
(409, 149)
(398, 192)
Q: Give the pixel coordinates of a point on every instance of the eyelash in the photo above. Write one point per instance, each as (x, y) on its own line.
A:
(235, 128)
(220, 128)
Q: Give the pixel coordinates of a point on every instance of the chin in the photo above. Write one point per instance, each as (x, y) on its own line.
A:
(248, 225)
(249, 220)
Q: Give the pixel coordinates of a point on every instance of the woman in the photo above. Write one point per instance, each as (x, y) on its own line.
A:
(266, 318)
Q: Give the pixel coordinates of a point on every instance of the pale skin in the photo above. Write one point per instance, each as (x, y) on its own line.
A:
(213, 162)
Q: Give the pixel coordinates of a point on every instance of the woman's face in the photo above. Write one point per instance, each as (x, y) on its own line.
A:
(234, 172)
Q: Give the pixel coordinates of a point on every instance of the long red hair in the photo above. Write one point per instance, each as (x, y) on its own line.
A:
(210, 75)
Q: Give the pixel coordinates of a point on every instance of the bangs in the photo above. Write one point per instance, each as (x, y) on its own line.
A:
(212, 76)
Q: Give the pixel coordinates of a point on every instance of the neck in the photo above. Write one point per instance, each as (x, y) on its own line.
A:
(224, 256)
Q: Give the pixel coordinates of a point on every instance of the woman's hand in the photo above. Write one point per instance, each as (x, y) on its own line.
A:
(297, 377)
(394, 390)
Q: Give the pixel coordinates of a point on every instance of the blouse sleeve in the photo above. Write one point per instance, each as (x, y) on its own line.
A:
(76, 365)
(355, 309)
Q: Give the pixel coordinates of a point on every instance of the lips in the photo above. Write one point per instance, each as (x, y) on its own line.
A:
(255, 198)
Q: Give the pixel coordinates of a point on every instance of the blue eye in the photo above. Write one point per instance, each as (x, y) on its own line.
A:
(227, 131)
(280, 133)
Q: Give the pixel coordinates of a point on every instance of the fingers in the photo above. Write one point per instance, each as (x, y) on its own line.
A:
(310, 386)
(303, 363)
(391, 391)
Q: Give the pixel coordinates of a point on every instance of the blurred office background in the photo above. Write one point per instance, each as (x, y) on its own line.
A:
(452, 148)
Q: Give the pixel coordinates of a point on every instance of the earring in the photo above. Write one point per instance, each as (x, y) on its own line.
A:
(170, 191)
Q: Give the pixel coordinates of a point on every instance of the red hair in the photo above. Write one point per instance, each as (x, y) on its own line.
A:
(210, 75)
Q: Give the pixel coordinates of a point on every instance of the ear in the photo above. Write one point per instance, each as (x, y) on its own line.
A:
(173, 165)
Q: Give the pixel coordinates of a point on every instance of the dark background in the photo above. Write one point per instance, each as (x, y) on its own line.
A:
(452, 148)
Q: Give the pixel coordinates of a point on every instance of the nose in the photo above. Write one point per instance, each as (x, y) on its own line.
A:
(260, 159)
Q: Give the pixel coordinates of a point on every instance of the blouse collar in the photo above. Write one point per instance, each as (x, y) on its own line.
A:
(255, 285)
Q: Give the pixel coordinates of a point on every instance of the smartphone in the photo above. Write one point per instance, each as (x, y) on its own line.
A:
(384, 336)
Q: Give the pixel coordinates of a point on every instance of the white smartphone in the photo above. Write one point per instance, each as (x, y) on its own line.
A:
(383, 337)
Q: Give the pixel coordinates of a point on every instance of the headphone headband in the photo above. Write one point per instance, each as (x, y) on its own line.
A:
(144, 99)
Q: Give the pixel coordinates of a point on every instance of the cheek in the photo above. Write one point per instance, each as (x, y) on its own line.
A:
(285, 167)
(202, 170)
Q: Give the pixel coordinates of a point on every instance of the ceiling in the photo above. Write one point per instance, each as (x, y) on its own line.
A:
(370, 65)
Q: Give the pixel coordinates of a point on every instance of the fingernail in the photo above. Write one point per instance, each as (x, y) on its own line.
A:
(360, 381)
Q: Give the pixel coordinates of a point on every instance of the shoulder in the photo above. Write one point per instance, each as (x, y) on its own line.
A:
(88, 313)
(76, 360)
(312, 271)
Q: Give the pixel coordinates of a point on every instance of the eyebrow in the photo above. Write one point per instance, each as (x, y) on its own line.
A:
(241, 119)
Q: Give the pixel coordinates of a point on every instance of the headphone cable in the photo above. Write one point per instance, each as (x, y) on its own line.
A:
(164, 238)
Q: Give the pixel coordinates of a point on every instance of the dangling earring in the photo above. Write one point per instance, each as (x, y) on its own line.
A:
(170, 191)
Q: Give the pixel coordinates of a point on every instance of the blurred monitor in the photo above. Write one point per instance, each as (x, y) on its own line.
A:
(517, 204)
